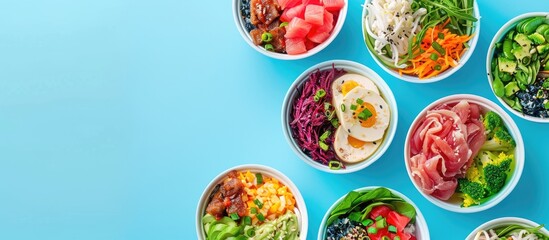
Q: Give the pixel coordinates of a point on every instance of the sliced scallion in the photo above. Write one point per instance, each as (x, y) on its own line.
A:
(234, 216)
(325, 135)
(334, 165)
(259, 178)
(343, 107)
(323, 145)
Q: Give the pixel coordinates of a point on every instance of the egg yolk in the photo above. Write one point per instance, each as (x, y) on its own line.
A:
(371, 120)
(348, 86)
(355, 142)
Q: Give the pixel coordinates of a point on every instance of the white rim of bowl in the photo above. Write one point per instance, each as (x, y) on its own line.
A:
(337, 28)
(499, 35)
(473, 43)
(421, 223)
(505, 221)
(351, 67)
(300, 203)
(519, 153)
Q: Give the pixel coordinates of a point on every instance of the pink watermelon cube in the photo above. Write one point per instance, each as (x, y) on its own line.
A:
(328, 22)
(314, 14)
(333, 5)
(297, 28)
(317, 36)
(315, 2)
(295, 46)
(290, 13)
(288, 3)
(309, 44)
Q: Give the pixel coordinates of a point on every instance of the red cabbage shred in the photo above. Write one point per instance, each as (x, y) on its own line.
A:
(308, 119)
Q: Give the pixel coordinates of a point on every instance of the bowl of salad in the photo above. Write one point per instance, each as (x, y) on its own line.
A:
(509, 228)
(374, 213)
(339, 116)
(464, 153)
(517, 64)
(420, 41)
(251, 202)
(289, 29)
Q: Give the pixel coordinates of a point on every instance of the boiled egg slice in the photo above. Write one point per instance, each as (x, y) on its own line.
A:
(365, 114)
(352, 150)
(344, 84)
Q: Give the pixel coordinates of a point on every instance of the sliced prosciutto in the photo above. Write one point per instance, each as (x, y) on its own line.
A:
(443, 146)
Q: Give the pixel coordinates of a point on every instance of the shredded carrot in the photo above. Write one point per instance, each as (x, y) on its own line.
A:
(423, 66)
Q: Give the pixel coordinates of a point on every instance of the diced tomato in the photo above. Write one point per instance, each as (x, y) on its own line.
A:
(397, 220)
(333, 5)
(288, 3)
(297, 28)
(315, 2)
(291, 13)
(310, 44)
(314, 14)
(379, 211)
(380, 233)
(295, 46)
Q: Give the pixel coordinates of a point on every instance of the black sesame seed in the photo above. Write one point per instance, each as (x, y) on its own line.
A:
(374, 143)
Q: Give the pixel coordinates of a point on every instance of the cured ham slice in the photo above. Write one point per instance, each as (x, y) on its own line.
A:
(443, 146)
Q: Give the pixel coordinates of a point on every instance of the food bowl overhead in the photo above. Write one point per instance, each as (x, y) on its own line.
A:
(262, 200)
(464, 153)
(517, 66)
(373, 213)
(499, 226)
(339, 116)
(442, 50)
(289, 29)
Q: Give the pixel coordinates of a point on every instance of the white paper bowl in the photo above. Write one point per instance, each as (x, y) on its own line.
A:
(422, 231)
(353, 67)
(499, 35)
(472, 44)
(237, 15)
(519, 153)
(303, 218)
(503, 222)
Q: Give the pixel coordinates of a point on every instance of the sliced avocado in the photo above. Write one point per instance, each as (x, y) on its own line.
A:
(509, 101)
(511, 88)
(521, 52)
(506, 65)
(216, 230)
(542, 28)
(523, 40)
(229, 231)
(536, 38)
(542, 49)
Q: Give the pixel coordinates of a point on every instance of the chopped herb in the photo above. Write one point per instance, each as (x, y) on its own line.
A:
(365, 114)
(359, 101)
(353, 107)
(253, 210)
(259, 178)
(334, 165)
(234, 216)
(260, 217)
(323, 145)
(325, 135)
(343, 107)
(258, 203)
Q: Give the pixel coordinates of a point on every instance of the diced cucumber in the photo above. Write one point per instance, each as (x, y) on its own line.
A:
(511, 88)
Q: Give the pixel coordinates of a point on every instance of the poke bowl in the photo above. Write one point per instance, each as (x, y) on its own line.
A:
(464, 153)
(339, 116)
(420, 41)
(517, 66)
(373, 213)
(289, 29)
(251, 201)
(509, 228)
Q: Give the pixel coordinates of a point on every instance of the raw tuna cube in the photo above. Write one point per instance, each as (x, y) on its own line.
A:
(333, 5)
(288, 3)
(309, 44)
(297, 28)
(314, 14)
(318, 36)
(295, 46)
(315, 2)
(290, 13)
(328, 24)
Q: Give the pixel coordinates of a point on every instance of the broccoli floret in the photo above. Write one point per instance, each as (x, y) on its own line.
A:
(491, 121)
(500, 141)
(494, 170)
(474, 189)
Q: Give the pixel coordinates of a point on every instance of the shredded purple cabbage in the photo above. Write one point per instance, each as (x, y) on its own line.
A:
(309, 121)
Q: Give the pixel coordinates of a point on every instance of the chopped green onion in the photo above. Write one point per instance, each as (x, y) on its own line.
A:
(438, 48)
(365, 114)
(381, 223)
(335, 122)
(379, 218)
(434, 56)
(546, 105)
(385, 238)
(359, 101)
(325, 135)
(334, 165)
(320, 93)
(327, 106)
(353, 107)
(283, 24)
(396, 238)
(392, 229)
(441, 36)
(437, 67)
(269, 47)
(259, 178)
(250, 232)
(323, 145)
(234, 216)
(466, 45)
(316, 98)
(266, 37)
(329, 114)
(253, 210)
(372, 230)
(260, 217)
(247, 220)
(343, 107)
(367, 222)
(258, 203)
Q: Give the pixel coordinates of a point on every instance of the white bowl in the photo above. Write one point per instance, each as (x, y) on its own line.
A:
(499, 35)
(505, 221)
(485, 104)
(422, 231)
(353, 67)
(303, 218)
(472, 44)
(246, 35)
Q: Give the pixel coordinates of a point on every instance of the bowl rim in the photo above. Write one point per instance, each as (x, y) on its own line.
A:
(519, 153)
(490, 54)
(505, 221)
(421, 223)
(264, 169)
(351, 66)
(282, 56)
(449, 72)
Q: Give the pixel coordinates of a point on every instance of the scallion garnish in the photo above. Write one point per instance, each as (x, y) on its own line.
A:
(253, 210)
(258, 203)
(353, 107)
(434, 56)
(323, 145)
(269, 47)
(392, 229)
(334, 165)
(246, 220)
(325, 135)
(359, 101)
(234, 216)
(441, 36)
(343, 107)
(438, 48)
(260, 217)
(266, 37)
(365, 114)
(259, 178)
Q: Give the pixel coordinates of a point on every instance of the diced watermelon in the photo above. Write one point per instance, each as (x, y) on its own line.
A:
(379, 211)
(317, 36)
(295, 46)
(379, 234)
(310, 45)
(314, 14)
(297, 28)
(290, 13)
(397, 220)
(315, 2)
(405, 236)
(288, 3)
(333, 5)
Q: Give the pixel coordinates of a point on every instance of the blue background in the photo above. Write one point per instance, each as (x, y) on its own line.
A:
(116, 114)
